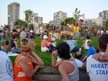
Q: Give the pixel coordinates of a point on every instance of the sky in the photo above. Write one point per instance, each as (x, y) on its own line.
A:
(46, 8)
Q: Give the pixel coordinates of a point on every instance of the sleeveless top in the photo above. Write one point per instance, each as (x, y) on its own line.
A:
(73, 76)
(19, 74)
(6, 67)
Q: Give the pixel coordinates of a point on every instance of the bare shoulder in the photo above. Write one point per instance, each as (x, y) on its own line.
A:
(67, 66)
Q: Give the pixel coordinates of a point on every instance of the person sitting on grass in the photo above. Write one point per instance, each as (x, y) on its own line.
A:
(23, 67)
(73, 45)
(90, 51)
(97, 64)
(52, 46)
(25, 43)
(44, 44)
(14, 45)
(66, 66)
(85, 45)
(32, 42)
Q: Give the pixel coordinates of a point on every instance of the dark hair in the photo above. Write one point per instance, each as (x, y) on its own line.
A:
(87, 37)
(14, 36)
(6, 42)
(78, 56)
(103, 41)
(24, 40)
(63, 50)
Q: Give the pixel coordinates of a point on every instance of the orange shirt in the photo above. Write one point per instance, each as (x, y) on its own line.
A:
(19, 74)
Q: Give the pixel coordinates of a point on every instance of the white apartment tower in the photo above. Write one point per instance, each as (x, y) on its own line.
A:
(13, 13)
(59, 17)
(104, 16)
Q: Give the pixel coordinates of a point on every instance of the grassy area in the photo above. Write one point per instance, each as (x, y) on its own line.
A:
(46, 57)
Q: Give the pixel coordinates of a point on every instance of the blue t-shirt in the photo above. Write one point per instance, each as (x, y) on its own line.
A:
(91, 51)
(12, 44)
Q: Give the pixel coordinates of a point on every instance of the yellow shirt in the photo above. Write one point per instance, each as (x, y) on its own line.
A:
(76, 29)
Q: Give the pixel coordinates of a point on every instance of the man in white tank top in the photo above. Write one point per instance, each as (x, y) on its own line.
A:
(6, 68)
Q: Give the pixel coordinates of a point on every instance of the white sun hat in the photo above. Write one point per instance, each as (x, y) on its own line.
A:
(45, 37)
(53, 38)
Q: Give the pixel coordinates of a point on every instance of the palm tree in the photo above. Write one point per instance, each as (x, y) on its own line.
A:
(77, 14)
(28, 14)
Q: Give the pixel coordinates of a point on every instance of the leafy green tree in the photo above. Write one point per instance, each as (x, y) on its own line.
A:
(20, 23)
(69, 20)
(31, 26)
(106, 24)
(28, 14)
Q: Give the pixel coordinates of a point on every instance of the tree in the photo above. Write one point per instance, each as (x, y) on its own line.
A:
(28, 14)
(31, 26)
(106, 24)
(77, 14)
(69, 20)
(20, 23)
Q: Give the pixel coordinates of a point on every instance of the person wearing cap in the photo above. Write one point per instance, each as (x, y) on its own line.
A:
(90, 51)
(44, 44)
(23, 67)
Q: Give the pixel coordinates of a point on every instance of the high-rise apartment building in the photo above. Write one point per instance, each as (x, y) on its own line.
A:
(104, 16)
(13, 13)
(35, 19)
(59, 17)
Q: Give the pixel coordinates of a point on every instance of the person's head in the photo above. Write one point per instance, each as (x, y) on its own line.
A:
(24, 42)
(76, 23)
(63, 50)
(26, 50)
(88, 37)
(103, 41)
(7, 45)
(89, 43)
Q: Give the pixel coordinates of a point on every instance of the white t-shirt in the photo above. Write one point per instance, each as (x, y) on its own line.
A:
(85, 44)
(78, 63)
(23, 35)
(6, 68)
(98, 71)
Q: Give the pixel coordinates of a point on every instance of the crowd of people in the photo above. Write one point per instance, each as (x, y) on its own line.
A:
(66, 56)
